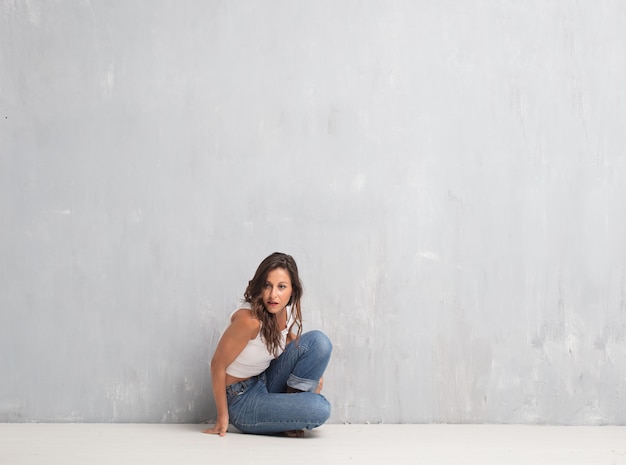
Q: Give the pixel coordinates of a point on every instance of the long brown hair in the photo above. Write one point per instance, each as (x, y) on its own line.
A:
(254, 295)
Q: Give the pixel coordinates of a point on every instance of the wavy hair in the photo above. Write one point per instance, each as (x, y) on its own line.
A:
(270, 331)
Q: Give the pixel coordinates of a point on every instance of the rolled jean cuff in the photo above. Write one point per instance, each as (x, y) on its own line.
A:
(301, 384)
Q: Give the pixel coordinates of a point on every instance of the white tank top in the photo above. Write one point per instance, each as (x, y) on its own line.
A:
(255, 358)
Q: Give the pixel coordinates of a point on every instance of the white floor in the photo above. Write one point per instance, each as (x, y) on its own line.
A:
(155, 444)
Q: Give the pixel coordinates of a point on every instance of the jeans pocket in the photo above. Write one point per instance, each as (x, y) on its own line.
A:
(234, 390)
(238, 389)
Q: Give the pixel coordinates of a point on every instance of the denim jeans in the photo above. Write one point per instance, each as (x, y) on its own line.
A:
(260, 405)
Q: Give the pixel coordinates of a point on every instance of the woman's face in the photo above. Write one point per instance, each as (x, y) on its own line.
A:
(277, 290)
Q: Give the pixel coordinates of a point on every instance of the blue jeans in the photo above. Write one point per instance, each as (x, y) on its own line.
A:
(260, 405)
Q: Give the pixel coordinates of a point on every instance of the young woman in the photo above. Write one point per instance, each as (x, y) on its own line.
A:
(266, 379)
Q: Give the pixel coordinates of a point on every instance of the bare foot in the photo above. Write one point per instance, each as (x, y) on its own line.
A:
(320, 386)
(296, 433)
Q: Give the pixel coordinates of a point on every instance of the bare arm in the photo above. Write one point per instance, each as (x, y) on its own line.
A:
(242, 328)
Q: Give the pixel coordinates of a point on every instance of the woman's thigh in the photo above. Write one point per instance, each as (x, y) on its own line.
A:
(269, 413)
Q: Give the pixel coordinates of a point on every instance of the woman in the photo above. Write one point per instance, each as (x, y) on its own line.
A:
(266, 380)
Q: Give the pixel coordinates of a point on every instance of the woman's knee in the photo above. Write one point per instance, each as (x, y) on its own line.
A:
(315, 409)
(322, 410)
(318, 340)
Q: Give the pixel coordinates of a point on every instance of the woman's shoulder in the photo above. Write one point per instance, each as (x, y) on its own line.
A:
(238, 309)
(244, 318)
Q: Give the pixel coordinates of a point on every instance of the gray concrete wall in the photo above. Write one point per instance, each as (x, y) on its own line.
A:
(450, 176)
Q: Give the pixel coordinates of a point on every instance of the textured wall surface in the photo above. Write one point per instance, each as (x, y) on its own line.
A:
(450, 176)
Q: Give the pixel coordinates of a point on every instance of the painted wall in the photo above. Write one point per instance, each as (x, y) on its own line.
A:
(450, 176)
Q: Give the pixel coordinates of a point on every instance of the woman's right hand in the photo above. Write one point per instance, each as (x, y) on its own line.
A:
(220, 427)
